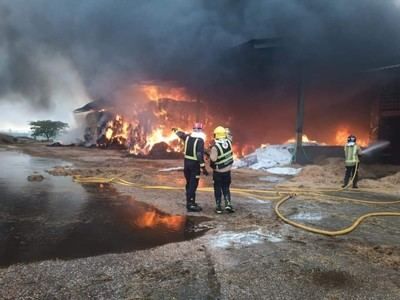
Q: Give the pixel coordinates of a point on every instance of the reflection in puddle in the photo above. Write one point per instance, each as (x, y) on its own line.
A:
(57, 218)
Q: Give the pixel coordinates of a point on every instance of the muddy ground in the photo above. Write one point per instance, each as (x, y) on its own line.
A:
(250, 254)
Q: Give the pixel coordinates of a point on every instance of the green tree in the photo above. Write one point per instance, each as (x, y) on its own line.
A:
(47, 128)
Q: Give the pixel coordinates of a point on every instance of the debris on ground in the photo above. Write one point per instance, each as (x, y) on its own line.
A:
(70, 171)
(58, 144)
(35, 178)
(267, 157)
(284, 171)
(226, 240)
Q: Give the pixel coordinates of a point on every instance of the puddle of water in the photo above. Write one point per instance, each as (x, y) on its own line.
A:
(241, 239)
(57, 218)
(310, 216)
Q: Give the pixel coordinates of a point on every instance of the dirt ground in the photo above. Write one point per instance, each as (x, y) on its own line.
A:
(250, 254)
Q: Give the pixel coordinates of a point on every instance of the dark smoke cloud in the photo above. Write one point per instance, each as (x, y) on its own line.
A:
(114, 43)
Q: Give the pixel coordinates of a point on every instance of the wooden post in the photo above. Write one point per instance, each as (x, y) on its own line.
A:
(300, 117)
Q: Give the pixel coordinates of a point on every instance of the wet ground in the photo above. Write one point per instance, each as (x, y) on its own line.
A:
(247, 255)
(57, 218)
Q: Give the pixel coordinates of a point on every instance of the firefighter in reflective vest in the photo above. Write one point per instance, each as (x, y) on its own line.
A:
(352, 152)
(193, 163)
(221, 159)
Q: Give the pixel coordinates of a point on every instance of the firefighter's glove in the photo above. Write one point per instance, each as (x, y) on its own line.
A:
(205, 172)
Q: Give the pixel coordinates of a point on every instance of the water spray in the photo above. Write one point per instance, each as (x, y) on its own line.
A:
(378, 146)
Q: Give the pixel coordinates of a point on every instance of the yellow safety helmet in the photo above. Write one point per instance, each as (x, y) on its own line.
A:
(219, 132)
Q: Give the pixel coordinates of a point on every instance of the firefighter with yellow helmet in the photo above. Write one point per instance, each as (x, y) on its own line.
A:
(221, 160)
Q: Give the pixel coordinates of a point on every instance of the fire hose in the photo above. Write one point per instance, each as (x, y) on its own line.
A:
(280, 194)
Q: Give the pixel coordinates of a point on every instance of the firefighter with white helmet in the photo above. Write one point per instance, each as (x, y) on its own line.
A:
(193, 163)
(221, 160)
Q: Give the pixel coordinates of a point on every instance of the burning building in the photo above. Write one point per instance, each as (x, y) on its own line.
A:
(141, 126)
(254, 92)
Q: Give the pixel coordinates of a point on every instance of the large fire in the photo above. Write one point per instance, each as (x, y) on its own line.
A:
(342, 134)
(154, 92)
(143, 124)
(340, 138)
(305, 139)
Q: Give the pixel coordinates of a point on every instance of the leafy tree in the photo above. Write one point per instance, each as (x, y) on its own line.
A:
(47, 128)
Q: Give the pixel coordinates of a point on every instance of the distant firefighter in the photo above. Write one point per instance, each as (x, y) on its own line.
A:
(352, 161)
(193, 163)
(221, 158)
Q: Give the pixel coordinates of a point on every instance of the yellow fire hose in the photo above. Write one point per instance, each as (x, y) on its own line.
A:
(332, 232)
(281, 194)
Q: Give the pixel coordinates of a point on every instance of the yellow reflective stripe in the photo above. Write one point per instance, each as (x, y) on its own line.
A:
(220, 149)
(194, 148)
(224, 156)
(194, 157)
(351, 155)
(225, 160)
(186, 140)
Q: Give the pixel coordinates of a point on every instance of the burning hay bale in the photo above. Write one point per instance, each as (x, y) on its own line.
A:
(143, 129)
(163, 150)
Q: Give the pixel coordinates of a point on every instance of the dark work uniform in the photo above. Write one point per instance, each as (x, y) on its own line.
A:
(194, 161)
(352, 152)
(222, 172)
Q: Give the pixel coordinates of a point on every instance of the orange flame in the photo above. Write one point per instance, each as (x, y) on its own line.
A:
(342, 134)
(304, 138)
(154, 93)
(165, 108)
(158, 136)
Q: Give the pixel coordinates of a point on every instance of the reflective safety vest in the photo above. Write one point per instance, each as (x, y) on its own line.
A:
(351, 155)
(190, 148)
(225, 154)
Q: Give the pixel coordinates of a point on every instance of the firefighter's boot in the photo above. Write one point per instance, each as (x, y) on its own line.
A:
(228, 204)
(192, 206)
(218, 208)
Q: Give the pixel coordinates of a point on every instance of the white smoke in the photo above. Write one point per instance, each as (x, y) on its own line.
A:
(65, 92)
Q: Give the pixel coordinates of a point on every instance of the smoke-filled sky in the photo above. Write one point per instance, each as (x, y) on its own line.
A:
(55, 55)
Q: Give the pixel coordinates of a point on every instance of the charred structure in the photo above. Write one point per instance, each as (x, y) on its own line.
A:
(144, 129)
(385, 110)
